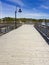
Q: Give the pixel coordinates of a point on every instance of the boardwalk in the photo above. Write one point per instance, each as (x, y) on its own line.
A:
(23, 46)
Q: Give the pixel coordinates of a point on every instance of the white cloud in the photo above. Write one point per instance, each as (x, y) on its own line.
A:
(19, 2)
(7, 10)
(0, 9)
(7, 7)
(0, 5)
(45, 7)
(35, 10)
(33, 15)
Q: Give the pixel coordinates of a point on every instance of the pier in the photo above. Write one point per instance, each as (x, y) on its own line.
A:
(23, 46)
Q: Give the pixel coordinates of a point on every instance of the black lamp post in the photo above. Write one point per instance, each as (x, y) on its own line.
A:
(16, 16)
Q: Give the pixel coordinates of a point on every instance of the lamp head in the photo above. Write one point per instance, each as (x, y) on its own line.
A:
(20, 10)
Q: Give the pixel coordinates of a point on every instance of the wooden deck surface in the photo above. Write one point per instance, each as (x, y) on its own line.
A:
(23, 46)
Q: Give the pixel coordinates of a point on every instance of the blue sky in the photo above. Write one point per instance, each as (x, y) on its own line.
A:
(30, 8)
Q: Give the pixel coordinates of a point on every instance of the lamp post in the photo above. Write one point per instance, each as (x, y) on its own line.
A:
(16, 15)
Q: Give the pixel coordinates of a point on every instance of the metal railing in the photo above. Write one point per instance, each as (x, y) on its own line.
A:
(44, 30)
(5, 28)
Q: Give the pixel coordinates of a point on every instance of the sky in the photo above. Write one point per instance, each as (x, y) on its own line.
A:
(36, 9)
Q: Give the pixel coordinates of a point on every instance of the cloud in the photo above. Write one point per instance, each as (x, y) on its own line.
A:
(7, 7)
(7, 10)
(19, 2)
(35, 10)
(33, 15)
(45, 7)
(0, 5)
(0, 9)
